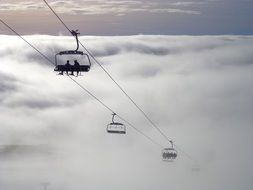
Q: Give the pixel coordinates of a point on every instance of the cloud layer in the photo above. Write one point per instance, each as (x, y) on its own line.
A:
(197, 89)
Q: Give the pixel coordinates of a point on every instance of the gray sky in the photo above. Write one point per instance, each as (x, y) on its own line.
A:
(197, 89)
(130, 17)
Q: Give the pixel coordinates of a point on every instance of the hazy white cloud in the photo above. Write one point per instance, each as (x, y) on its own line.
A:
(20, 6)
(189, 3)
(197, 89)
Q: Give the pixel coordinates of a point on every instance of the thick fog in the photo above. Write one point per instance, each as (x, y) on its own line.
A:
(198, 90)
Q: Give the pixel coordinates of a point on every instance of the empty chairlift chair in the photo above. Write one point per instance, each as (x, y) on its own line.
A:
(169, 154)
(115, 127)
(72, 61)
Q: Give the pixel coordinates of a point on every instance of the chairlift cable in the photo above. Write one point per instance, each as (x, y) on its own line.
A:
(82, 87)
(119, 86)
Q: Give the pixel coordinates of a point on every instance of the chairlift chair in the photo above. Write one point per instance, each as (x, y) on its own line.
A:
(72, 61)
(169, 154)
(115, 127)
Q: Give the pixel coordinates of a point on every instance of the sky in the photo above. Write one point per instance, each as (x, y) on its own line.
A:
(131, 17)
(197, 89)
